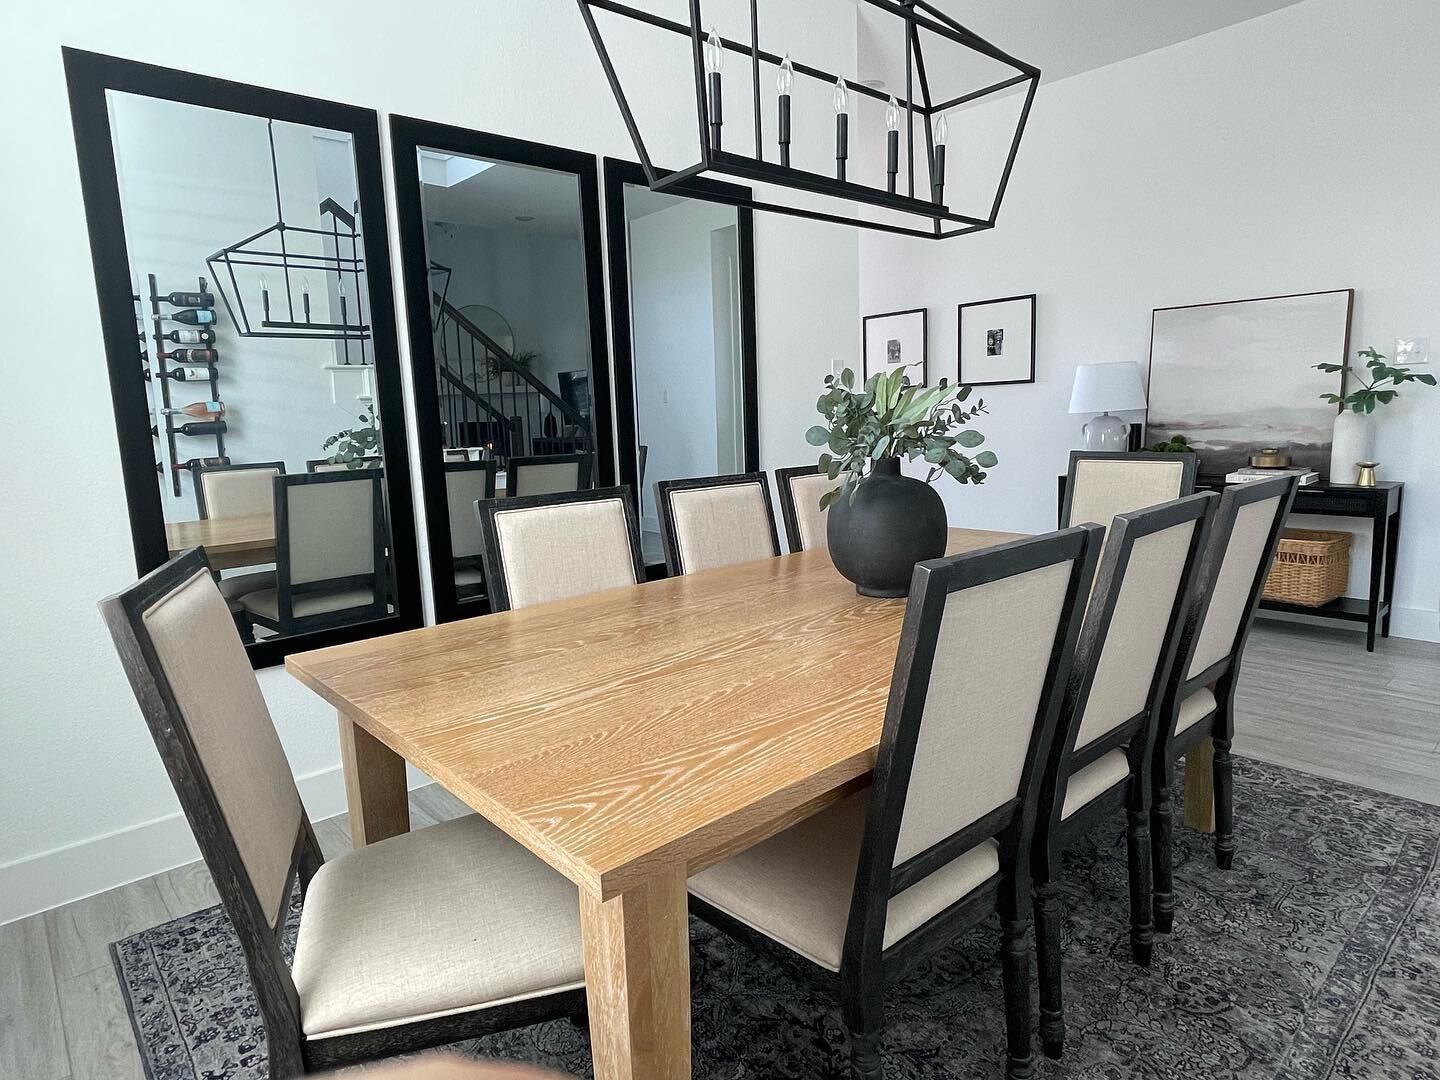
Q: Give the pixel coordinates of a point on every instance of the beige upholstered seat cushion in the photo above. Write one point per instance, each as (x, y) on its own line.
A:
(237, 585)
(201, 657)
(805, 491)
(1094, 780)
(554, 552)
(721, 526)
(1200, 704)
(443, 920)
(796, 887)
(1229, 603)
(266, 602)
(1106, 487)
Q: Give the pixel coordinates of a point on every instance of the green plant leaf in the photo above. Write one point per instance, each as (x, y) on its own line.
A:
(986, 459)
(817, 436)
(969, 438)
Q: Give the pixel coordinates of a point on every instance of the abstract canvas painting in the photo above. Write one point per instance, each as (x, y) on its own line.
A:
(1238, 377)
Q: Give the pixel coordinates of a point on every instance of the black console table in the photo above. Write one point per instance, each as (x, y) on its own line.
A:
(1380, 505)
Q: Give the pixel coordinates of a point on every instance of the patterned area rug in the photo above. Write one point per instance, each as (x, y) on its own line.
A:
(1318, 956)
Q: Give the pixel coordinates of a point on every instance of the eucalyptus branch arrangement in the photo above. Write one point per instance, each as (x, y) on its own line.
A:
(354, 445)
(1381, 387)
(890, 418)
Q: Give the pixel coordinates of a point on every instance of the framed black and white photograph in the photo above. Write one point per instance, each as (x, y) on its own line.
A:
(895, 339)
(997, 341)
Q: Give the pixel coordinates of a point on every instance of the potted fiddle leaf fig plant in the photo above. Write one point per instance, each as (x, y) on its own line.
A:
(881, 523)
(1354, 437)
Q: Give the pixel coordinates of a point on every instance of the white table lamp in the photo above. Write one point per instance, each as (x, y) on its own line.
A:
(1103, 388)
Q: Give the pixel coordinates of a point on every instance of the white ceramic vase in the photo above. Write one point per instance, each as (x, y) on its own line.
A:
(1353, 441)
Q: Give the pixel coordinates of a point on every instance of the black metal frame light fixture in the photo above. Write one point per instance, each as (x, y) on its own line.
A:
(920, 18)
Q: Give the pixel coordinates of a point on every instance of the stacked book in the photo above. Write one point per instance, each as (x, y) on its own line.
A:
(1248, 473)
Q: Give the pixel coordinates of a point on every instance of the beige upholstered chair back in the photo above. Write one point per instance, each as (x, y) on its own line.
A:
(330, 528)
(551, 552)
(1136, 638)
(239, 492)
(463, 489)
(1104, 487)
(1229, 602)
(458, 454)
(200, 656)
(714, 525)
(542, 478)
(991, 659)
(810, 520)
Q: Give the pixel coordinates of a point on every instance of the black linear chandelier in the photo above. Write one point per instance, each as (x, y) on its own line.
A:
(921, 23)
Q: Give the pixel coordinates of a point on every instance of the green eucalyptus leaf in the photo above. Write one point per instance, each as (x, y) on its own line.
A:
(969, 438)
(817, 436)
(986, 459)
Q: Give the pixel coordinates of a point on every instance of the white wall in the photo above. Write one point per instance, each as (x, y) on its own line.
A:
(1292, 153)
(84, 802)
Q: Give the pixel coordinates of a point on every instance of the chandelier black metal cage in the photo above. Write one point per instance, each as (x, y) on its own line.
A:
(918, 107)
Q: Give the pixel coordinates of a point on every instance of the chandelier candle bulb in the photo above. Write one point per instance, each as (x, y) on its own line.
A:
(714, 61)
(942, 135)
(265, 297)
(892, 142)
(784, 82)
(842, 127)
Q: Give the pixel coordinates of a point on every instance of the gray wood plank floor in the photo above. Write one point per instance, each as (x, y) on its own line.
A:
(1310, 698)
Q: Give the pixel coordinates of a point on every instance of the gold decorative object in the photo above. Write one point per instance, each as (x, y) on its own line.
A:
(1270, 458)
(1366, 478)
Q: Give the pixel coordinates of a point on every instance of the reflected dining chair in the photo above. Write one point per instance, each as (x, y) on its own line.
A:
(800, 489)
(1101, 484)
(330, 563)
(547, 474)
(1200, 698)
(466, 483)
(713, 521)
(1099, 767)
(877, 882)
(244, 490)
(449, 932)
(326, 465)
(539, 548)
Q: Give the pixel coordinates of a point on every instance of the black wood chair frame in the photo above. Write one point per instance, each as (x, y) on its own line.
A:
(584, 471)
(786, 494)
(1187, 476)
(1219, 726)
(1135, 735)
(493, 559)
(866, 966)
(666, 516)
(472, 593)
(290, 1052)
(313, 464)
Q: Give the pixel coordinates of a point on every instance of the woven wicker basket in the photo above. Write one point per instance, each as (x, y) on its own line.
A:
(1311, 567)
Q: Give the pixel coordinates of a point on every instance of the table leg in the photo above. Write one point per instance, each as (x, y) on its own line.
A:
(374, 785)
(1392, 550)
(1200, 786)
(637, 980)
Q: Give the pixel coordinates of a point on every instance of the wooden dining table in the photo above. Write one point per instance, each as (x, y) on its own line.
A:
(228, 541)
(629, 738)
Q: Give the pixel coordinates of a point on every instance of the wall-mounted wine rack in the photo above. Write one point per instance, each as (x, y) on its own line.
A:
(161, 374)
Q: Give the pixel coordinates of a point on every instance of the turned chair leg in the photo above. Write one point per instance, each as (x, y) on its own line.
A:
(864, 1015)
(1049, 920)
(1224, 773)
(1015, 978)
(1142, 926)
(1161, 825)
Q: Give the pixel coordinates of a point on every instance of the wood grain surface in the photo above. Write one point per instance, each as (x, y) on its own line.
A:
(228, 541)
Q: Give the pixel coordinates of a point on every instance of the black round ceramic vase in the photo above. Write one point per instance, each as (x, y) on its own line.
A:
(890, 524)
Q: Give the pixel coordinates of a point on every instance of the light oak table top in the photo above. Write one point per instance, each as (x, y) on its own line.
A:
(228, 541)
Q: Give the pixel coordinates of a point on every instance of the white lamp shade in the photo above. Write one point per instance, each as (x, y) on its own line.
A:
(1101, 388)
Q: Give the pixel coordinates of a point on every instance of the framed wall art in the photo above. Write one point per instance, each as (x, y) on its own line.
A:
(895, 339)
(997, 341)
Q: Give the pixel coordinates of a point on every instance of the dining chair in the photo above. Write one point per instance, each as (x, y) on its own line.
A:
(547, 474)
(326, 465)
(1099, 765)
(711, 521)
(1101, 484)
(1200, 698)
(539, 548)
(800, 489)
(458, 453)
(330, 563)
(240, 490)
(877, 882)
(449, 932)
(466, 483)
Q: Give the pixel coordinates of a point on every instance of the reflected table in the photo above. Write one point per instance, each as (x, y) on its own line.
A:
(228, 541)
(629, 738)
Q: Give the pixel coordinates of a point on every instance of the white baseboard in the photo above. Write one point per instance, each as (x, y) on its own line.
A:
(50, 878)
(1415, 623)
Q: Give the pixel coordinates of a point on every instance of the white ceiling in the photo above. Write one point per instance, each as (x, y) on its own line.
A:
(499, 195)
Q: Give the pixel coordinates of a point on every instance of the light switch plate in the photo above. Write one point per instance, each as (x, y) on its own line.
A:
(1412, 350)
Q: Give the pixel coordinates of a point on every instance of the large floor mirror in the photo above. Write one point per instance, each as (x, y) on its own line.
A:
(682, 292)
(500, 251)
(239, 242)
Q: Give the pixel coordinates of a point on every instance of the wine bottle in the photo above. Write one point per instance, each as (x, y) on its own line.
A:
(203, 427)
(190, 337)
(201, 410)
(188, 299)
(191, 316)
(190, 356)
(190, 374)
(200, 463)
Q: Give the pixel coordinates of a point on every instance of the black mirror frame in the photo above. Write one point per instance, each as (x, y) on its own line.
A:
(618, 173)
(88, 77)
(407, 136)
